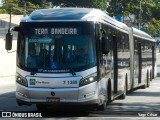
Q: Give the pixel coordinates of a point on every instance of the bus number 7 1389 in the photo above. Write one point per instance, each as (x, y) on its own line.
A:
(69, 82)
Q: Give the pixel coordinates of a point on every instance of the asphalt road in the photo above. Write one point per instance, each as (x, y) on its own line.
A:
(139, 103)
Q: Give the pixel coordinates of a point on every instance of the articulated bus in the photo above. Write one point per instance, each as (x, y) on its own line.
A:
(79, 56)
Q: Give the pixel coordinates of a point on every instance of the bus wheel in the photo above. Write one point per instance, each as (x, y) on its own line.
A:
(109, 93)
(103, 106)
(123, 96)
(148, 80)
(41, 107)
(150, 75)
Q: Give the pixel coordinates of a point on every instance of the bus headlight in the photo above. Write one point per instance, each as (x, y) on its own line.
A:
(87, 80)
(21, 80)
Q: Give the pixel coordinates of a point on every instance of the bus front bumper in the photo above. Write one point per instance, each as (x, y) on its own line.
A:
(86, 95)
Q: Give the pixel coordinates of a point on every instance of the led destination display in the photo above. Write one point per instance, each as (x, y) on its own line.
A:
(56, 31)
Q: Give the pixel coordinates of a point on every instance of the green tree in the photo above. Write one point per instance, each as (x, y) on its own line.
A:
(131, 7)
(82, 3)
(17, 7)
(31, 7)
(14, 5)
(156, 10)
(3, 11)
(154, 25)
(145, 11)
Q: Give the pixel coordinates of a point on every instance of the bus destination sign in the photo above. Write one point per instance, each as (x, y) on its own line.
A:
(56, 31)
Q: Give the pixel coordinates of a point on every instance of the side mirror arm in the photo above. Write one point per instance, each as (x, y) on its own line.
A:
(10, 29)
(15, 28)
(9, 37)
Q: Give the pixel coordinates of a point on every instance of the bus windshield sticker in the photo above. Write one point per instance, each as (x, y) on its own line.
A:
(55, 71)
(40, 40)
(40, 70)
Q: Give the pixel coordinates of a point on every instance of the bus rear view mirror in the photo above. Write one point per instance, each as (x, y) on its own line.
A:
(105, 45)
(8, 44)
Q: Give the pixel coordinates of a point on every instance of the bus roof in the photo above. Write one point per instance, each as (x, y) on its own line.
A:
(60, 14)
(141, 34)
(79, 14)
(71, 14)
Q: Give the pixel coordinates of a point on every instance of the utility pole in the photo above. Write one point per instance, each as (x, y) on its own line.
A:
(24, 15)
(43, 3)
(10, 13)
(139, 16)
(24, 6)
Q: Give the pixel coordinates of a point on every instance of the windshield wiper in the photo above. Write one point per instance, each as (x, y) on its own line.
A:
(33, 72)
(71, 69)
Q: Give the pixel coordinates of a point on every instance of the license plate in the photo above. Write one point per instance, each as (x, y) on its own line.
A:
(53, 99)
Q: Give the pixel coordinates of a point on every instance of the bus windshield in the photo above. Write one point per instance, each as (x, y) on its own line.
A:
(56, 49)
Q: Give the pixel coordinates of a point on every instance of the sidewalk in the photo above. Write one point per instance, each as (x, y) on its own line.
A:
(7, 61)
(157, 51)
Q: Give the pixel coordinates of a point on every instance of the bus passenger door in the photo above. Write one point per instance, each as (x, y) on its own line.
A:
(115, 59)
(153, 62)
(139, 62)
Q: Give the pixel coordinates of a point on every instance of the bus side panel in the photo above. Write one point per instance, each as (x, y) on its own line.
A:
(118, 59)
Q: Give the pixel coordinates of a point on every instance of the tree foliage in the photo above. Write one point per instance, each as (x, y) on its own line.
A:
(82, 3)
(154, 24)
(17, 7)
(145, 11)
(3, 11)
(153, 27)
(131, 7)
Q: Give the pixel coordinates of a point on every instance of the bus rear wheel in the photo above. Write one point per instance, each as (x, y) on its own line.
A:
(148, 79)
(146, 82)
(123, 96)
(150, 75)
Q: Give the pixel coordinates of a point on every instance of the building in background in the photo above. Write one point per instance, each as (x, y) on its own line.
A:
(4, 23)
(1, 2)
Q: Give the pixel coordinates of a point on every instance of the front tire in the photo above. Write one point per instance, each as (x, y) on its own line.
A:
(108, 98)
(109, 94)
(103, 106)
